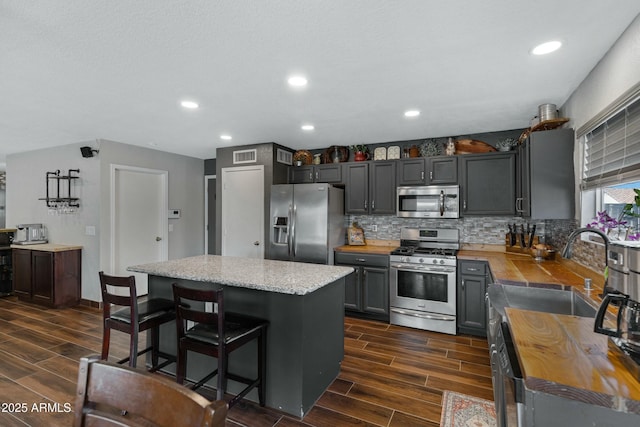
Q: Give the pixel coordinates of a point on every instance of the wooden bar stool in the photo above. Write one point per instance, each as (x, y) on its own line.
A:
(134, 318)
(218, 334)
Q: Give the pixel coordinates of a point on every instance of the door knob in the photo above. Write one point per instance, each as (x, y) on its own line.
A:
(256, 243)
(158, 238)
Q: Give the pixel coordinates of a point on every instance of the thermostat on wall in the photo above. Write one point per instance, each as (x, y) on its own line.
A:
(174, 213)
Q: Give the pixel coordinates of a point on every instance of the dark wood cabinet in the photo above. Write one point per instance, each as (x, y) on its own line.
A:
(367, 288)
(330, 173)
(546, 183)
(370, 187)
(52, 279)
(472, 288)
(428, 171)
(488, 183)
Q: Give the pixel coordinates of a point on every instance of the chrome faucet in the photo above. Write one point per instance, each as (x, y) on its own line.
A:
(568, 248)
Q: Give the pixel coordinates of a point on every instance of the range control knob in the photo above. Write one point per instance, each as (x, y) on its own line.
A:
(441, 261)
(435, 261)
(421, 260)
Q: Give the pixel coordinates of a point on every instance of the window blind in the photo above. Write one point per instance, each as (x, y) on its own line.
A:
(612, 149)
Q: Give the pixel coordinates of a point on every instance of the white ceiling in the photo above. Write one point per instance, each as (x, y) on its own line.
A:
(78, 70)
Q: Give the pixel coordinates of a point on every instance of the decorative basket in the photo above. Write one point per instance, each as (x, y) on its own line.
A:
(303, 156)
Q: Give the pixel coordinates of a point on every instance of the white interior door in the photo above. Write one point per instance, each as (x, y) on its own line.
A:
(243, 211)
(139, 220)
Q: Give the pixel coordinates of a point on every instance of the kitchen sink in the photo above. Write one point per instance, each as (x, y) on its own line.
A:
(539, 299)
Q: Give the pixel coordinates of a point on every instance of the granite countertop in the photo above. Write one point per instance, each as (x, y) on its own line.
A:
(48, 247)
(561, 355)
(284, 277)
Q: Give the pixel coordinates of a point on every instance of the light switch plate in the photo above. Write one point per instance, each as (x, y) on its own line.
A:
(90, 230)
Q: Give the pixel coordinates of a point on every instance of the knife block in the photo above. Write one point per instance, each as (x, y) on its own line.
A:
(517, 248)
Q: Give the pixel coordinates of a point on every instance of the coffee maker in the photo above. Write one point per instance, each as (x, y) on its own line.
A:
(30, 234)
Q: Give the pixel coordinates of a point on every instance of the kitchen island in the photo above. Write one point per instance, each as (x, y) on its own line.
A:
(304, 304)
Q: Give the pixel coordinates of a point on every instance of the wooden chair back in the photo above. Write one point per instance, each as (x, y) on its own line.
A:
(185, 312)
(129, 299)
(106, 391)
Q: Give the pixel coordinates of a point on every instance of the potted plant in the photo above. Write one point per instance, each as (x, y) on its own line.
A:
(360, 152)
(617, 228)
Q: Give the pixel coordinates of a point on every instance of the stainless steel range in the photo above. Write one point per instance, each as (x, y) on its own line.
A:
(423, 279)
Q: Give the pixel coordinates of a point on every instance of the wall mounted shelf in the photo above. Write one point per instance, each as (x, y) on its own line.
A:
(62, 203)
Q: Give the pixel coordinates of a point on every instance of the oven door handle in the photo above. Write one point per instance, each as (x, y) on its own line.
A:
(424, 316)
(402, 267)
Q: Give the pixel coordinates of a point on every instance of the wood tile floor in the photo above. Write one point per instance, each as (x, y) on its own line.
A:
(391, 376)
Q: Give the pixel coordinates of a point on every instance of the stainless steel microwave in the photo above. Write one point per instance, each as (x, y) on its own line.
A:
(432, 201)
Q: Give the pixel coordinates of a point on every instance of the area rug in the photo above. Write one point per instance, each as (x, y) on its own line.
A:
(460, 410)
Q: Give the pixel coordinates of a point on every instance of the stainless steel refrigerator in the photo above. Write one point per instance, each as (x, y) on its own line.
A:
(307, 222)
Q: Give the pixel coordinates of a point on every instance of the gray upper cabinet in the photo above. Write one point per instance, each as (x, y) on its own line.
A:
(330, 173)
(545, 180)
(428, 171)
(488, 183)
(370, 187)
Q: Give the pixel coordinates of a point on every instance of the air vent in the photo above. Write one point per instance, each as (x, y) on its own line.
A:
(285, 157)
(245, 156)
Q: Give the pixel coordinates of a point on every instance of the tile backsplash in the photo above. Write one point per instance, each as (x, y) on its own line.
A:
(488, 231)
(477, 230)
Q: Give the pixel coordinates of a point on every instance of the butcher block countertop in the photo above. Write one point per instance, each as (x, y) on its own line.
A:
(523, 270)
(48, 247)
(561, 355)
(374, 247)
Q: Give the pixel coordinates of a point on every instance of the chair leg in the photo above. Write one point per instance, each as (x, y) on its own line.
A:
(106, 337)
(223, 360)
(262, 365)
(133, 348)
(155, 345)
(181, 365)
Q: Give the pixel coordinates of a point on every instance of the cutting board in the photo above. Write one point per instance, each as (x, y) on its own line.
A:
(470, 146)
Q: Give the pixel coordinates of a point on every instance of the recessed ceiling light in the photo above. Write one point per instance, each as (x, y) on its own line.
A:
(548, 47)
(307, 127)
(189, 104)
(297, 81)
(225, 137)
(411, 113)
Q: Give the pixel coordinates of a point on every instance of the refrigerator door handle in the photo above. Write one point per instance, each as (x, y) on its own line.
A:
(289, 232)
(293, 231)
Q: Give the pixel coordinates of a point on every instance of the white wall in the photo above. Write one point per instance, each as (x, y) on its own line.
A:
(26, 174)
(617, 72)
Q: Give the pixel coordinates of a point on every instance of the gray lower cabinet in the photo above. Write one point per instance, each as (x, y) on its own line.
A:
(488, 183)
(370, 187)
(545, 178)
(428, 171)
(472, 287)
(367, 288)
(330, 173)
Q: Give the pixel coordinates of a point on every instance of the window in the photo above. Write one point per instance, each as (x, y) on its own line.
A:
(612, 149)
(611, 169)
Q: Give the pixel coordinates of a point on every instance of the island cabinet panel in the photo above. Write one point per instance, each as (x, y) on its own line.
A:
(488, 183)
(367, 288)
(305, 341)
(472, 287)
(428, 171)
(370, 187)
(52, 279)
